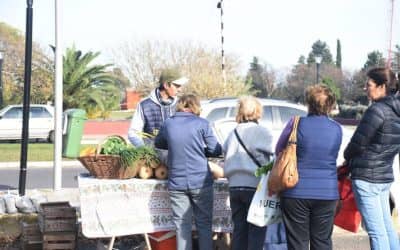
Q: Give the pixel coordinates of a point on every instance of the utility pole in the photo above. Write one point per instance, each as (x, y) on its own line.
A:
(220, 6)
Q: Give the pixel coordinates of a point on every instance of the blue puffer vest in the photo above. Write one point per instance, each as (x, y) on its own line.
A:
(154, 116)
(318, 143)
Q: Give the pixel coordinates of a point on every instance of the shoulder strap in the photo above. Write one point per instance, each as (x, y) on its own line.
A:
(293, 134)
(245, 149)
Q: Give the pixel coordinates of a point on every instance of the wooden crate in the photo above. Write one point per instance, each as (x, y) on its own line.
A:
(57, 217)
(59, 241)
(31, 237)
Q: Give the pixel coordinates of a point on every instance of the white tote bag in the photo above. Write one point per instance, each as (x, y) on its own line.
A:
(264, 210)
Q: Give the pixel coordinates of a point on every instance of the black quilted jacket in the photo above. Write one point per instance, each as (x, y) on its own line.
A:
(375, 142)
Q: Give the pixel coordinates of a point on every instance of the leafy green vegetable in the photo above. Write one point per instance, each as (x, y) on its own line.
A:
(147, 154)
(128, 156)
(264, 169)
(117, 146)
(113, 146)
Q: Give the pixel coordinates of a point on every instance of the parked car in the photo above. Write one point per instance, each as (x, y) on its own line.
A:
(276, 113)
(41, 122)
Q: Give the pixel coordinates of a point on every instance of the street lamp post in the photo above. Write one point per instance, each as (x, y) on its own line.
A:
(318, 60)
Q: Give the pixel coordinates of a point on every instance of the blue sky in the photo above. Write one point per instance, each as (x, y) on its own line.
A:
(276, 31)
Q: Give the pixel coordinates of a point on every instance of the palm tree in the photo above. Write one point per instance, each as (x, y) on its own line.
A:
(88, 86)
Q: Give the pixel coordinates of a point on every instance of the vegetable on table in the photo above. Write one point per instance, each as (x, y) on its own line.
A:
(89, 150)
(264, 169)
(145, 172)
(161, 172)
(142, 160)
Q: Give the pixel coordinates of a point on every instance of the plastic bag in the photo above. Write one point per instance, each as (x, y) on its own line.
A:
(264, 209)
(24, 205)
(10, 203)
(37, 199)
(3, 209)
(348, 217)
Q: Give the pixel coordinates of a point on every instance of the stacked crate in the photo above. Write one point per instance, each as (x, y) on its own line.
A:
(31, 236)
(57, 222)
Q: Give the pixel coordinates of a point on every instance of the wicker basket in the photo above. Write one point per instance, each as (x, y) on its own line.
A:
(106, 166)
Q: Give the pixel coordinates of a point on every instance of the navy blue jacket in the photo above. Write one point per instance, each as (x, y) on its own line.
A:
(375, 142)
(189, 140)
(318, 144)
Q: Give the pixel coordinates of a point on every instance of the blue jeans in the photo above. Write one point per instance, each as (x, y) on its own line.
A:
(373, 203)
(245, 235)
(184, 204)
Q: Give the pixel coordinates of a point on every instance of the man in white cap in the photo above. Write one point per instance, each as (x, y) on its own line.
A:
(152, 111)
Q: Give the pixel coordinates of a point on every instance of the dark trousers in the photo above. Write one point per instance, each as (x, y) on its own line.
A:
(308, 222)
(246, 236)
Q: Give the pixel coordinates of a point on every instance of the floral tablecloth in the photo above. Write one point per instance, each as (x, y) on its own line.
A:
(135, 206)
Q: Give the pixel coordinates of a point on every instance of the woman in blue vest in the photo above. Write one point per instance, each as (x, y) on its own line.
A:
(308, 209)
(190, 140)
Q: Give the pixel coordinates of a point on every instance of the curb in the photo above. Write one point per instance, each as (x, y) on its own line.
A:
(41, 164)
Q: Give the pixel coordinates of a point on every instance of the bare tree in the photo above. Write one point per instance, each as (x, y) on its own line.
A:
(142, 62)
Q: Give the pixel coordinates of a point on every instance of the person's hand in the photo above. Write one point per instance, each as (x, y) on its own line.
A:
(270, 193)
(216, 170)
(343, 170)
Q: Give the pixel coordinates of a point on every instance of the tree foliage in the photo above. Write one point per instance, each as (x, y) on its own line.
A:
(262, 78)
(143, 61)
(87, 86)
(333, 87)
(42, 77)
(395, 63)
(355, 92)
(320, 48)
(303, 75)
(375, 58)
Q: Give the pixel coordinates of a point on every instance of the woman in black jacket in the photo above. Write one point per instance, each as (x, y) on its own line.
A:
(370, 155)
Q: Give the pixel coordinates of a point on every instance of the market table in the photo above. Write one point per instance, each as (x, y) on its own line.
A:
(112, 208)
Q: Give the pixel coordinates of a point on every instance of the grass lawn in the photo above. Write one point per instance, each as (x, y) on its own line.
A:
(36, 152)
(121, 115)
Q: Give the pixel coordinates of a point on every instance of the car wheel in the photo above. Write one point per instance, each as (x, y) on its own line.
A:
(51, 137)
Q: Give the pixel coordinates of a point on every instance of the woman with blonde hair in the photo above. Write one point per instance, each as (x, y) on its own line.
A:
(189, 140)
(239, 169)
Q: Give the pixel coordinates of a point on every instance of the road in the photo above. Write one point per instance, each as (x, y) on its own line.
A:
(39, 177)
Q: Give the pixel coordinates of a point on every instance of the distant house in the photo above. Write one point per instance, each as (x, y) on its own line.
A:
(132, 98)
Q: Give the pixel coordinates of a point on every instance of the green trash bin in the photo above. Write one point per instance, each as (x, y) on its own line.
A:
(75, 120)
